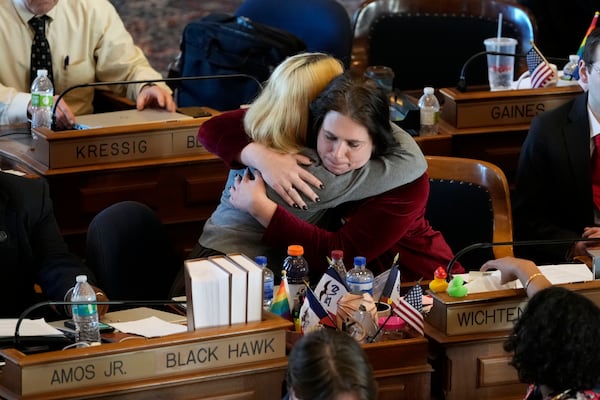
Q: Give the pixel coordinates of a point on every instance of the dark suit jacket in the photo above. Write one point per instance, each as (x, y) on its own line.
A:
(32, 249)
(553, 197)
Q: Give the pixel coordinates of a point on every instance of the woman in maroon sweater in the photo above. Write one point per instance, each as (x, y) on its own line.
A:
(377, 228)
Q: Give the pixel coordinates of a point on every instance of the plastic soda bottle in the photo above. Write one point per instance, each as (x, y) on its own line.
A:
(296, 268)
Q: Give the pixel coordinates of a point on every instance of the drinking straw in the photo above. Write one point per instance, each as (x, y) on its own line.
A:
(499, 35)
(499, 25)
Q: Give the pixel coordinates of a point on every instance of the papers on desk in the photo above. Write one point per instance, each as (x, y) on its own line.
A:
(29, 327)
(478, 282)
(145, 321)
(13, 171)
(127, 117)
(149, 327)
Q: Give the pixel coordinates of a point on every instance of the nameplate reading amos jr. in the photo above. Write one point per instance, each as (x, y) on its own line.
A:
(510, 107)
(117, 144)
(99, 369)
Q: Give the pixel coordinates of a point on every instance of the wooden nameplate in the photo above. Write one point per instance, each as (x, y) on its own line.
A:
(110, 144)
(500, 108)
(489, 311)
(208, 354)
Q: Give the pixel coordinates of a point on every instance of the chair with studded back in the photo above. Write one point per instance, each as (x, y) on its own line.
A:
(426, 42)
(469, 203)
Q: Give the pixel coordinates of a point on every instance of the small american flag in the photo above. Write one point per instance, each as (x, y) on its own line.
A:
(540, 71)
(410, 308)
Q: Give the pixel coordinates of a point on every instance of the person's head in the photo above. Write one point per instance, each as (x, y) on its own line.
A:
(39, 7)
(589, 68)
(278, 118)
(329, 365)
(350, 123)
(556, 341)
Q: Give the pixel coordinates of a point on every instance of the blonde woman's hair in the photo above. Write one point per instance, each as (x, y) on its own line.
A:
(279, 117)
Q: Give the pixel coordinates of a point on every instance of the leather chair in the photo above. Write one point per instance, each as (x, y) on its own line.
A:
(130, 253)
(324, 25)
(426, 42)
(470, 203)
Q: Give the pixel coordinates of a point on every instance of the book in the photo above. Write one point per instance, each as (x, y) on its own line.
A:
(238, 278)
(255, 286)
(207, 288)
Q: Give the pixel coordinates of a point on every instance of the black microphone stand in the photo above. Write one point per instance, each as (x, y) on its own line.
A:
(462, 82)
(487, 245)
(35, 306)
(177, 79)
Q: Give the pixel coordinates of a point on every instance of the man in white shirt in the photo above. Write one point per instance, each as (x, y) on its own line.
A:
(88, 43)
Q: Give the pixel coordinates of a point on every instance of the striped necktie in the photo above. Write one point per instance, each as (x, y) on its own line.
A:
(40, 48)
(596, 171)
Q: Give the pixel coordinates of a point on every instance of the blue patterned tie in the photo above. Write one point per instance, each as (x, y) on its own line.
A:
(40, 48)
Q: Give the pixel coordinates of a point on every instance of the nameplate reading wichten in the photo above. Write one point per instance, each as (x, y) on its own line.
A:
(506, 107)
(117, 363)
(119, 141)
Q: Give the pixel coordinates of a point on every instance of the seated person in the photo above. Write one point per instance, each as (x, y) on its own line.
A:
(557, 193)
(32, 250)
(329, 364)
(96, 49)
(336, 115)
(555, 342)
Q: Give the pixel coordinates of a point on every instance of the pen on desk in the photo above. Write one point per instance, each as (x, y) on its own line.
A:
(66, 62)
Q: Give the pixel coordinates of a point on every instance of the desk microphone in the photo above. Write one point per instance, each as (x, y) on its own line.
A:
(462, 82)
(487, 245)
(177, 79)
(18, 340)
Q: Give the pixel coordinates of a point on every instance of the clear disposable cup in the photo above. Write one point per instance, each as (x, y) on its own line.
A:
(384, 76)
(501, 68)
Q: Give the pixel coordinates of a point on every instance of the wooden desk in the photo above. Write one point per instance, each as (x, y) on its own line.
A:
(246, 361)
(468, 357)
(401, 368)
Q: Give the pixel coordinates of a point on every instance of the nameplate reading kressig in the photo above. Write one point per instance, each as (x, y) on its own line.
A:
(76, 148)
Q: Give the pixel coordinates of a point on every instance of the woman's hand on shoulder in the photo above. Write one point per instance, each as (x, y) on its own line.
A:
(284, 173)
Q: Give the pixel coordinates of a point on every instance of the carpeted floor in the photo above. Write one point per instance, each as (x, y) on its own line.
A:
(156, 25)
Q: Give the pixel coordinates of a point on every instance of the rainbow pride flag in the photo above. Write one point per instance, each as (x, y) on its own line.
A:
(590, 29)
(281, 302)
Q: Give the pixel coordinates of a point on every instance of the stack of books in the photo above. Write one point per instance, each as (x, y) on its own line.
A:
(223, 290)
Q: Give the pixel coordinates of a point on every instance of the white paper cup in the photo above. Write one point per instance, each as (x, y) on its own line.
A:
(383, 309)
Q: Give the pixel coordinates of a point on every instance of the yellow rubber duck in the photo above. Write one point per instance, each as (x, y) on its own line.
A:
(456, 287)
(439, 284)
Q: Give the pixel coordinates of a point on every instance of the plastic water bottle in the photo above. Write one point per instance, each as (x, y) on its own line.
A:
(570, 70)
(360, 279)
(296, 268)
(268, 279)
(42, 97)
(430, 112)
(85, 316)
(337, 262)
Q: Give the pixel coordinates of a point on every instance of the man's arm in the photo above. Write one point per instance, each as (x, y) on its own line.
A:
(57, 266)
